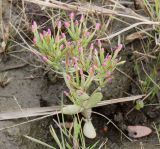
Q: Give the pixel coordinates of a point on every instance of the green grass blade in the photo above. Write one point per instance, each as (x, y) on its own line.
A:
(39, 142)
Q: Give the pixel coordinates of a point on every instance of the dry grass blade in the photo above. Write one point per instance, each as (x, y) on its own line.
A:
(119, 100)
(93, 9)
(130, 27)
(32, 112)
(89, 8)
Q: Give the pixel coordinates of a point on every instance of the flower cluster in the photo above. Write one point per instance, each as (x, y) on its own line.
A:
(80, 60)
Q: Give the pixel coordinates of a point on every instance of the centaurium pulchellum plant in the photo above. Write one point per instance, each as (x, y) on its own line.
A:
(74, 55)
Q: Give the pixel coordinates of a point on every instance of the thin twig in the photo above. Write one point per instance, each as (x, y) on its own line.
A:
(113, 125)
(14, 67)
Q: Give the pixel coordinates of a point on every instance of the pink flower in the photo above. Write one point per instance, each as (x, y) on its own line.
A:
(68, 44)
(76, 23)
(62, 46)
(66, 93)
(44, 33)
(99, 43)
(91, 46)
(63, 35)
(75, 59)
(82, 74)
(49, 32)
(67, 24)
(41, 36)
(34, 26)
(34, 40)
(108, 74)
(119, 48)
(110, 79)
(95, 67)
(91, 71)
(71, 15)
(80, 49)
(82, 18)
(87, 34)
(108, 57)
(90, 56)
(79, 43)
(97, 26)
(59, 24)
(95, 51)
(44, 58)
(102, 49)
(68, 77)
(104, 64)
(76, 66)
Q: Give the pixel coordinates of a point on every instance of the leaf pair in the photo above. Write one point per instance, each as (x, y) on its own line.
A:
(89, 103)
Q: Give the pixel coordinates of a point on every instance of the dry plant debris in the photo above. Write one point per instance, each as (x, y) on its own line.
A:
(4, 80)
(138, 131)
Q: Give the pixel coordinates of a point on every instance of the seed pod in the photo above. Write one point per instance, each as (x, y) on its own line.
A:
(71, 109)
(88, 130)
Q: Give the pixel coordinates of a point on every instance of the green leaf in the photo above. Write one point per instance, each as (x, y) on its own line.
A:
(139, 105)
(93, 146)
(77, 128)
(67, 81)
(80, 95)
(39, 142)
(93, 100)
(54, 135)
(71, 109)
(68, 146)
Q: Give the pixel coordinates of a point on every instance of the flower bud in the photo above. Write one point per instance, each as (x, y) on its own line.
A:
(44, 58)
(82, 18)
(91, 46)
(97, 26)
(75, 59)
(87, 34)
(72, 15)
(67, 24)
(66, 93)
(95, 51)
(34, 26)
(62, 46)
(99, 43)
(49, 32)
(59, 24)
(102, 49)
(80, 49)
(63, 35)
(76, 66)
(41, 36)
(76, 23)
(82, 74)
(68, 77)
(34, 40)
(118, 48)
(44, 33)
